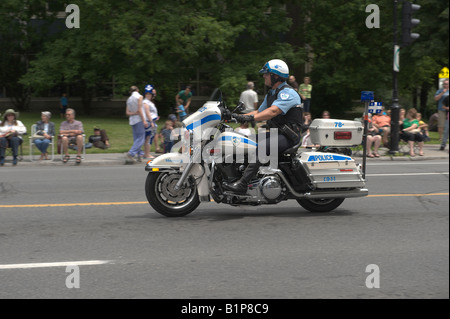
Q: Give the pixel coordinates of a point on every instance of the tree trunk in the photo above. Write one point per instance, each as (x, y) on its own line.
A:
(423, 100)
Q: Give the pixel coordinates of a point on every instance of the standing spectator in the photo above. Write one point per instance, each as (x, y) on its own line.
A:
(292, 82)
(138, 124)
(180, 110)
(305, 90)
(442, 111)
(445, 135)
(382, 122)
(63, 104)
(11, 130)
(186, 96)
(47, 129)
(155, 117)
(150, 131)
(71, 132)
(250, 99)
(99, 139)
(411, 133)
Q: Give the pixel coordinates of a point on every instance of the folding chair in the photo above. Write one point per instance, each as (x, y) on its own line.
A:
(83, 156)
(19, 153)
(31, 140)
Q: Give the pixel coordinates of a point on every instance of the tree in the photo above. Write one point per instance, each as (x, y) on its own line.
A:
(159, 43)
(20, 38)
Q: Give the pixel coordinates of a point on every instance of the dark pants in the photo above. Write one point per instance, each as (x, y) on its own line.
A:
(283, 143)
(307, 105)
(13, 142)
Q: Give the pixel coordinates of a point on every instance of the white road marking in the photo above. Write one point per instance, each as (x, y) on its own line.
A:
(408, 174)
(56, 264)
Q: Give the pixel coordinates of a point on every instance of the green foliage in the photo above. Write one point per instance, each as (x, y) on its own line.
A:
(166, 42)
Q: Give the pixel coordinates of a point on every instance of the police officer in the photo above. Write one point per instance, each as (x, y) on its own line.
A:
(281, 109)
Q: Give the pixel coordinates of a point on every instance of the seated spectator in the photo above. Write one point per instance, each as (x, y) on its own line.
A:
(326, 115)
(423, 127)
(166, 135)
(243, 129)
(46, 129)
(99, 139)
(401, 115)
(11, 131)
(382, 122)
(411, 133)
(433, 122)
(373, 139)
(306, 135)
(445, 134)
(71, 132)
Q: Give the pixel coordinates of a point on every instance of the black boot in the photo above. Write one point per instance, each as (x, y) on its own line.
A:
(240, 186)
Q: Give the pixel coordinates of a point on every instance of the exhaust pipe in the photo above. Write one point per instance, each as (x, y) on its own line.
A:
(360, 192)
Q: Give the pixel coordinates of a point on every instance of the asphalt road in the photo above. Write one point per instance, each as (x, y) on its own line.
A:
(97, 218)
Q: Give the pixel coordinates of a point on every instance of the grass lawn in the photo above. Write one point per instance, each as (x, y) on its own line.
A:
(117, 128)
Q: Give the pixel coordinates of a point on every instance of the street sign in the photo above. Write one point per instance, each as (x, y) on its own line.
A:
(375, 107)
(366, 96)
(444, 73)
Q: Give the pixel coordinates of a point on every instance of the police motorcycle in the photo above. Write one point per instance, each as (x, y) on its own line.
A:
(318, 179)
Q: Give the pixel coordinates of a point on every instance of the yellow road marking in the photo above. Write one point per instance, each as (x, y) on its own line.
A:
(143, 203)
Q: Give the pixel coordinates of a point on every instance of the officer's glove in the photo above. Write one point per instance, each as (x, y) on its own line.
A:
(226, 114)
(242, 118)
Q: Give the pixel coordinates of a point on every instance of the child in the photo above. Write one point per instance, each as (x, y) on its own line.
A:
(423, 127)
(180, 110)
(165, 134)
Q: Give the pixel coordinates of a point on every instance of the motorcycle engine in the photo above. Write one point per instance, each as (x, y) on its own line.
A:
(270, 187)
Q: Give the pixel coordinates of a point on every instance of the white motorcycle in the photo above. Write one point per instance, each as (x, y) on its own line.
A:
(211, 153)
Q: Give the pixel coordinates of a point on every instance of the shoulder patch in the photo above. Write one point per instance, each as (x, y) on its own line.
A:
(284, 95)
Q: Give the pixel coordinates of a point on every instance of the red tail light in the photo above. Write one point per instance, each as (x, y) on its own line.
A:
(342, 135)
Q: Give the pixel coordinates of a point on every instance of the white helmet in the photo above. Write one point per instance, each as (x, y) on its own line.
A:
(276, 66)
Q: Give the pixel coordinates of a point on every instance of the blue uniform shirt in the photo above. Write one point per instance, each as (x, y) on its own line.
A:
(440, 102)
(287, 98)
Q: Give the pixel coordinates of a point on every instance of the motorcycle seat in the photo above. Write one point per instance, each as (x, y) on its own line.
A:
(292, 150)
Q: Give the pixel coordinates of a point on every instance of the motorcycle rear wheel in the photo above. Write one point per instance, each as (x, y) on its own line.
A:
(161, 195)
(320, 205)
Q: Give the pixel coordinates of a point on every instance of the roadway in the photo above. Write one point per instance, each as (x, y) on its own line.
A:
(97, 217)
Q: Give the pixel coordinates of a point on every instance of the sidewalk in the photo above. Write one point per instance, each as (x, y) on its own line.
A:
(431, 151)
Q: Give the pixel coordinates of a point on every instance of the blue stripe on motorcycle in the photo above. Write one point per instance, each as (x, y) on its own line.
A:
(204, 120)
(243, 139)
(314, 158)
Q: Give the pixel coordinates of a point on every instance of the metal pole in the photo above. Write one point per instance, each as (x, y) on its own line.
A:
(395, 107)
(366, 124)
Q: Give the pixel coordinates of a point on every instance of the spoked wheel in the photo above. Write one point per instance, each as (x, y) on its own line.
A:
(320, 205)
(162, 196)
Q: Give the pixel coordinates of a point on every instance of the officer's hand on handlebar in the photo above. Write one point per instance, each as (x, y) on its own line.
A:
(226, 114)
(242, 118)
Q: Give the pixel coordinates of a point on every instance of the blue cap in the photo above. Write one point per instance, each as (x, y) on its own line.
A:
(148, 89)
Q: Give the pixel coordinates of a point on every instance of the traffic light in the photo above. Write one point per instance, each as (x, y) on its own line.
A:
(408, 22)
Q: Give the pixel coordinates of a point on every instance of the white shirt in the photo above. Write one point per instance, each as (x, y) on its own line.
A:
(153, 110)
(133, 105)
(249, 98)
(20, 128)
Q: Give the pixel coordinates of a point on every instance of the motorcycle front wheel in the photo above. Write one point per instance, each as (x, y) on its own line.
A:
(320, 205)
(162, 196)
